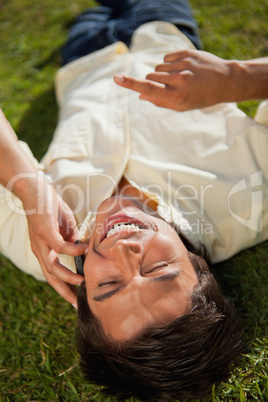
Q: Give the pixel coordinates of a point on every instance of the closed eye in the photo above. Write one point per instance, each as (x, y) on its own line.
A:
(101, 285)
(157, 267)
(170, 276)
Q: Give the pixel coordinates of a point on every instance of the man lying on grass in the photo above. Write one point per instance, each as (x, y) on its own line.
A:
(154, 195)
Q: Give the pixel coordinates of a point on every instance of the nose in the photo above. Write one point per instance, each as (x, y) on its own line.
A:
(127, 252)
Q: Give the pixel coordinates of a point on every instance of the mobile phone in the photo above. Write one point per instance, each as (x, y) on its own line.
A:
(79, 262)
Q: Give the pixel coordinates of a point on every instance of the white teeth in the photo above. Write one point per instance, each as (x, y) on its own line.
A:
(119, 227)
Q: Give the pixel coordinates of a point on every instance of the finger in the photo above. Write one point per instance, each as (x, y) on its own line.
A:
(162, 103)
(70, 248)
(142, 86)
(162, 78)
(66, 219)
(175, 67)
(68, 292)
(65, 290)
(61, 246)
(53, 266)
(178, 55)
(68, 229)
(164, 67)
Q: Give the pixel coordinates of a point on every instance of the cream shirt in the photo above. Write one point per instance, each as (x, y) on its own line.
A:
(207, 168)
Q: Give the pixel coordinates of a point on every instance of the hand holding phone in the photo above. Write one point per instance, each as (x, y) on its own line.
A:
(79, 262)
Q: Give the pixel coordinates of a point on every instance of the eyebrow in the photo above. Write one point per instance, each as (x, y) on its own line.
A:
(167, 277)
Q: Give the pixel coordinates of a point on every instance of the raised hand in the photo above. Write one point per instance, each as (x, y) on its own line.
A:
(193, 79)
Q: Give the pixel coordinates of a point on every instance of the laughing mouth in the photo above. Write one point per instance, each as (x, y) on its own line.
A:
(125, 227)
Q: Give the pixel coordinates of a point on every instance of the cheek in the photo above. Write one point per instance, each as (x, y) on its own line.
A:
(91, 270)
(167, 246)
(97, 269)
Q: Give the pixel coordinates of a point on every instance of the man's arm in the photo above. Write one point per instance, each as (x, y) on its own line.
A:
(192, 79)
(44, 210)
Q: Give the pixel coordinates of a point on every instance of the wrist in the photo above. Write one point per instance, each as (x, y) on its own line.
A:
(27, 186)
(249, 80)
(238, 86)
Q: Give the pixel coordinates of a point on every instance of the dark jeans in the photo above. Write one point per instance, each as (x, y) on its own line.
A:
(116, 20)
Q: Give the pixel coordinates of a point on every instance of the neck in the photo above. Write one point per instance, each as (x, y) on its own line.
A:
(125, 188)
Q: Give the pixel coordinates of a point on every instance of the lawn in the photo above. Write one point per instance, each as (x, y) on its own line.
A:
(38, 359)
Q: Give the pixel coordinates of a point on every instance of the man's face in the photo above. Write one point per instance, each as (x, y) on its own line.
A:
(137, 270)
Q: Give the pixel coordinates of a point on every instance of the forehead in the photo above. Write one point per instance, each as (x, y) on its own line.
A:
(143, 303)
(127, 314)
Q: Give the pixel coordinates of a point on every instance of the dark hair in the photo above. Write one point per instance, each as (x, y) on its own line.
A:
(182, 359)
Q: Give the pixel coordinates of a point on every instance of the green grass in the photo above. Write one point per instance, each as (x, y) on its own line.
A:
(38, 359)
